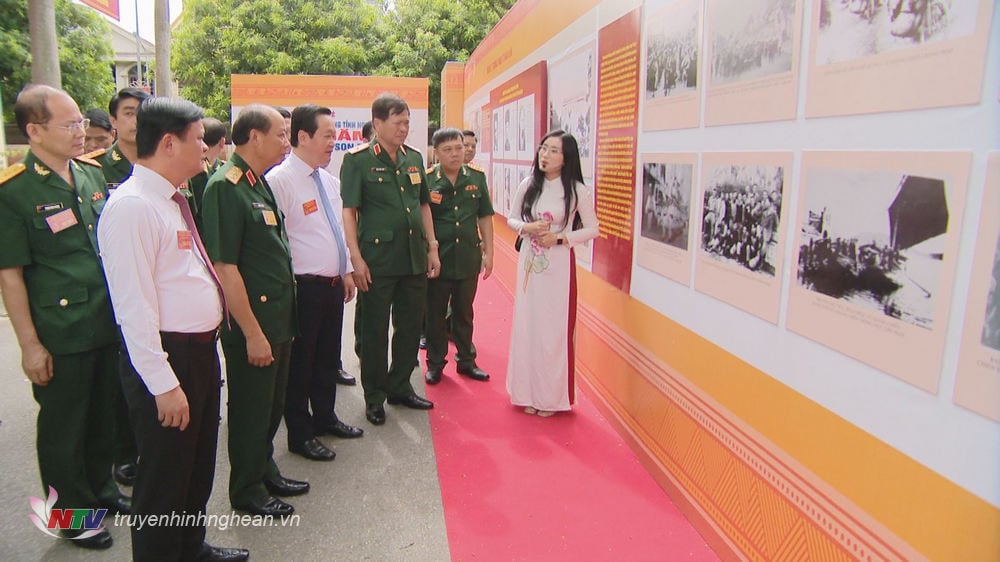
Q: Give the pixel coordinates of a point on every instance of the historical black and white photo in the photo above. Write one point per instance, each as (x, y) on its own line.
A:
(850, 29)
(750, 38)
(666, 203)
(991, 321)
(672, 50)
(571, 101)
(875, 239)
(740, 216)
(526, 127)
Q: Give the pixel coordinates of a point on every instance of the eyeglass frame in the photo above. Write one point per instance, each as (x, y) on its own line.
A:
(80, 125)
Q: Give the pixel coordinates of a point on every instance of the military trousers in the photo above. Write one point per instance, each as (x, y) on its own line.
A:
(403, 298)
(73, 438)
(462, 293)
(256, 405)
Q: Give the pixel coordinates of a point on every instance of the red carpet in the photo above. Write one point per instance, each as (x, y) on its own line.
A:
(520, 487)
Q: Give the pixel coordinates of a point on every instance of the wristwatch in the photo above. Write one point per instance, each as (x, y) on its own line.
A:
(559, 240)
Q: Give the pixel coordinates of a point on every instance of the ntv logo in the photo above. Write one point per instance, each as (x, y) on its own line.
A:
(51, 521)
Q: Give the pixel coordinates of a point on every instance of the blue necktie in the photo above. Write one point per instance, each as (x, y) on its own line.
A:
(332, 218)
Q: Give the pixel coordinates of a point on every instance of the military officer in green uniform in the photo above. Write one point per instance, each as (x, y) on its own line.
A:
(215, 139)
(57, 298)
(116, 164)
(390, 234)
(244, 233)
(463, 222)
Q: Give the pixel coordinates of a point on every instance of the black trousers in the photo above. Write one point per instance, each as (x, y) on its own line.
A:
(315, 360)
(176, 468)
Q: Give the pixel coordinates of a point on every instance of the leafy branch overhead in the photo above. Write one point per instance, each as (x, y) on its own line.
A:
(217, 38)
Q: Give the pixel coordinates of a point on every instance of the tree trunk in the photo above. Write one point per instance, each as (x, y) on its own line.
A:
(164, 83)
(44, 47)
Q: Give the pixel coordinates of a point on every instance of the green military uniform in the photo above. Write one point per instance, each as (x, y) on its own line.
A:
(115, 165)
(48, 228)
(117, 168)
(243, 226)
(391, 237)
(196, 186)
(456, 210)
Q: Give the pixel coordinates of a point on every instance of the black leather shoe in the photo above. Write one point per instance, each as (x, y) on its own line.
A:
(267, 505)
(100, 541)
(343, 378)
(340, 429)
(285, 487)
(123, 505)
(474, 373)
(375, 413)
(125, 474)
(412, 401)
(312, 450)
(432, 376)
(423, 342)
(211, 553)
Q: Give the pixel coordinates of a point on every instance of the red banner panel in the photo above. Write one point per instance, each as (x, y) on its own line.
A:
(617, 128)
(108, 7)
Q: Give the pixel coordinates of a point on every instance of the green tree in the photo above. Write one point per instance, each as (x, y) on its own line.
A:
(218, 38)
(85, 55)
(419, 36)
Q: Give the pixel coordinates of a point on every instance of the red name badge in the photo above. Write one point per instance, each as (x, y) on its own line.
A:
(436, 197)
(61, 220)
(184, 240)
(310, 207)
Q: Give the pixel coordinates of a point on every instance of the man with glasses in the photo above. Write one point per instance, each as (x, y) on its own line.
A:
(57, 298)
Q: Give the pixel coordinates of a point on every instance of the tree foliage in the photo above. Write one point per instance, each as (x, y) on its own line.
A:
(85, 55)
(218, 38)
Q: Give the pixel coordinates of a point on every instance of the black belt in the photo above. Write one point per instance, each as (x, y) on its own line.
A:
(183, 337)
(309, 278)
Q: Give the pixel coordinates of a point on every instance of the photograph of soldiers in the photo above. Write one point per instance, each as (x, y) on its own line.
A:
(850, 29)
(740, 216)
(666, 202)
(750, 38)
(875, 239)
(672, 50)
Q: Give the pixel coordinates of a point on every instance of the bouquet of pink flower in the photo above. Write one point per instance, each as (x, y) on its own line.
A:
(537, 262)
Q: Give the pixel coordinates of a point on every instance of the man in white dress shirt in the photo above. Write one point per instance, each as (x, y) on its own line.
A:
(169, 304)
(310, 199)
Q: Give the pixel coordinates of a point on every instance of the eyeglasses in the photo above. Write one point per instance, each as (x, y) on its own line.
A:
(80, 125)
(549, 150)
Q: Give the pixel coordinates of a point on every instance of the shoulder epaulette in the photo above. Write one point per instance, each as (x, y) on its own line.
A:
(430, 170)
(95, 153)
(234, 174)
(359, 148)
(11, 172)
(408, 147)
(476, 168)
(87, 160)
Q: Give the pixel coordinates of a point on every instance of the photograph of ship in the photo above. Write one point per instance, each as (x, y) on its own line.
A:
(991, 324)
(850, 29)
(666, 196)
(672, 50)
(740, 216)
(750, 38)
(875, 239)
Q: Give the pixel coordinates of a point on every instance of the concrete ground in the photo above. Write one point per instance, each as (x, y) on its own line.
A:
(379, 500)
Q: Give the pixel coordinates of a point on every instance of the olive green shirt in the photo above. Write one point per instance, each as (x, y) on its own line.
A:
(243, 226)
(116, 167)
(197, 184)
(387, 196)
(49, 228)
(457, 210)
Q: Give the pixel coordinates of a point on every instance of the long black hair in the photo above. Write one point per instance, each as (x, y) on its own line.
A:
(572, 173)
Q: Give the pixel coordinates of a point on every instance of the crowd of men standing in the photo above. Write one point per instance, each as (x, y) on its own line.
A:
(122, 268)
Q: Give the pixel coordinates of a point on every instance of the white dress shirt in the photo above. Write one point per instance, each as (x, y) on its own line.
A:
(314, 249)
(156, 276)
